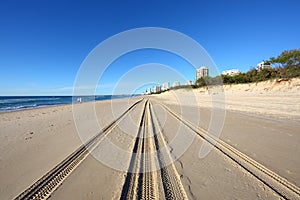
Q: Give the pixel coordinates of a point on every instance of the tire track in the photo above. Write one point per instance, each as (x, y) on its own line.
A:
(148, 176)
(173, 187)
(131, 186)
(140, 182)
(278, 184)
(150, 189)
(46, 185)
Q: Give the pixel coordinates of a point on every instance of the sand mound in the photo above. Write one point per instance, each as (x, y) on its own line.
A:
(266, 87)
(275, 98)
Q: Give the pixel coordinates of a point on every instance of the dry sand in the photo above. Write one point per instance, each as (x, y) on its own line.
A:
(262, 123)
(213, 177)
(270, 98)
(33, 141)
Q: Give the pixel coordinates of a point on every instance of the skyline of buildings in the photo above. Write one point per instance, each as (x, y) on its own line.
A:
(202, 71)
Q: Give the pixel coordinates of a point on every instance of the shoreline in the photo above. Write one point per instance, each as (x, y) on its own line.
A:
(64, 104)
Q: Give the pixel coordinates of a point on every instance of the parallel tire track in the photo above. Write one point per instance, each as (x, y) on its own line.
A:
(277, 183)
(131, 186)
(173, 187)
(46, 185)
(150, 190)
(144, 183)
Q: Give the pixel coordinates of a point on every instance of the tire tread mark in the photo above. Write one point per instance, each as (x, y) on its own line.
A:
(130, 188)
(173, 187)
(278, 184)
(46, 185)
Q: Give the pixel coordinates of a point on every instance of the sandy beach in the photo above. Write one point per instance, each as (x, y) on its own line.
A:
(269, 99)
(33, 141)
(261, 123)
(150, 100)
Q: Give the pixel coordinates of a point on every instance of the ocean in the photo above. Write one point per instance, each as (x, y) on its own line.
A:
(14, 103)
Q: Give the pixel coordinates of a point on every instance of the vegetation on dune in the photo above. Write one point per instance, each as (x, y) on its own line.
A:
(287, 58)
(287, 66)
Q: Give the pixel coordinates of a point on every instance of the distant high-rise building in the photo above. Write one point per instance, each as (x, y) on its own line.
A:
(148, 91)
(156, 88)
(176, 84)
(190, 82)
(201, 72)
(165, 86)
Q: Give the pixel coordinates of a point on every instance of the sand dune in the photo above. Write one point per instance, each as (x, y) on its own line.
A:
(269, 99)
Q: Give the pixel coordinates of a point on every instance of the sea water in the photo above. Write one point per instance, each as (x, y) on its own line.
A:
(13, 103)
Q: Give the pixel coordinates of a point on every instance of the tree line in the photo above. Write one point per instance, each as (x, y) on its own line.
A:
(287, 65)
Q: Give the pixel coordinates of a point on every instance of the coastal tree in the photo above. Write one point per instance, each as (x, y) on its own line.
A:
(206, 81)
(201, 82)
(287, 57)
(288, 67)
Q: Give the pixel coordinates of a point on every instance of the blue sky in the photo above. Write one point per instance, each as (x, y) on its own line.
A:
(43, 43)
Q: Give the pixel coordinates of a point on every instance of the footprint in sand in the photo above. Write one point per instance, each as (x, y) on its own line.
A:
(30, 137)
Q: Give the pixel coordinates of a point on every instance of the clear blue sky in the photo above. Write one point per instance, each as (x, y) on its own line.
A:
(43, 43)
